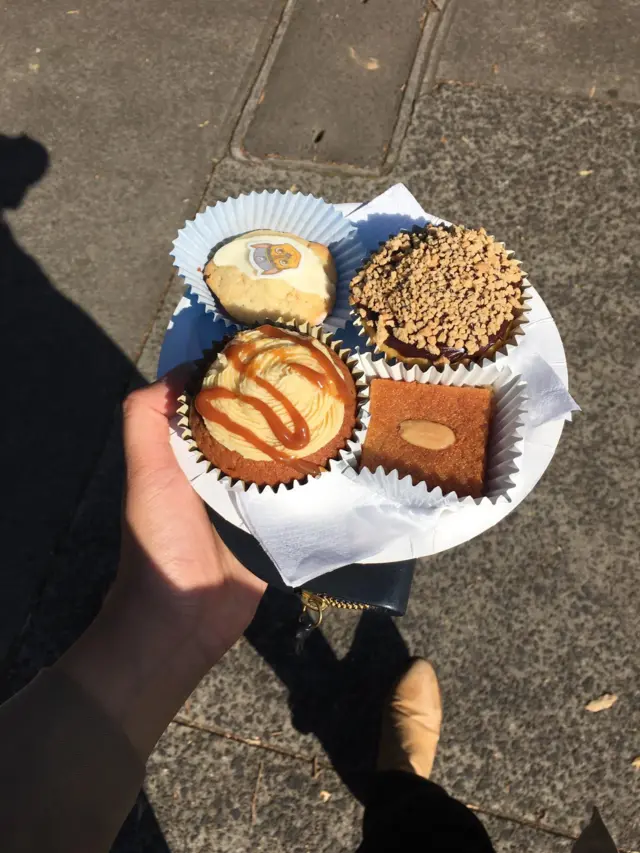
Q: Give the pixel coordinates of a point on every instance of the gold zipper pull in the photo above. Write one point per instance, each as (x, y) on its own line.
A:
(313, 606)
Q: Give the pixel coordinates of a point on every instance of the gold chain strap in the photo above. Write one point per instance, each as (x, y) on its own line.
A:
(313, 608)
(314, 603)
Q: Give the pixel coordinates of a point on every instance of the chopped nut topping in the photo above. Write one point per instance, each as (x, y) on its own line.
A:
(439, 287)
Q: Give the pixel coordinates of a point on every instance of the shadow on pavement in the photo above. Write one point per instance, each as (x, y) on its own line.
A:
(63, 379)
(338, 700)
(63, 376)
(140, 832)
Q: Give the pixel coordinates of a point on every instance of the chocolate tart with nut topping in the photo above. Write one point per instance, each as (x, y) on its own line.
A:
(273, 407)
(439, 295)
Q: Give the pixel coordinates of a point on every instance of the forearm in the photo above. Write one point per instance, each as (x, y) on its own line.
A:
(139, 662)
(74, 742)
(68, 775)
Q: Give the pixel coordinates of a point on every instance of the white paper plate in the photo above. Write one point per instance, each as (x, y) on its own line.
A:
(191, 330)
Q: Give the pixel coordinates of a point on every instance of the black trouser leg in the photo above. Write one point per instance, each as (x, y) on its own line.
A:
(406, 812)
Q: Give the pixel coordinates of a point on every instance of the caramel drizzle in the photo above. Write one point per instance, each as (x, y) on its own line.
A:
(240, 355)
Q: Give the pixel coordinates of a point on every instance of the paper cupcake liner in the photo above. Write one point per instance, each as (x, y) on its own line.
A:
(506, 441)
(518, 329)
(347, 456)
(304, 215)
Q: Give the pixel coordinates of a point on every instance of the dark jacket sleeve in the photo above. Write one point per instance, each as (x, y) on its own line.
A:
(68, 774)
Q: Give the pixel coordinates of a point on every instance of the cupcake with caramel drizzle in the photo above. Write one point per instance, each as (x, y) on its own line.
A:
(274, 406)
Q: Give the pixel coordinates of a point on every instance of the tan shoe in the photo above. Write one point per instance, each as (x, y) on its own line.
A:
(411, 722)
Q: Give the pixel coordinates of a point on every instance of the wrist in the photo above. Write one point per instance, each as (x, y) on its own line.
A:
(161, 627)
(139, 660)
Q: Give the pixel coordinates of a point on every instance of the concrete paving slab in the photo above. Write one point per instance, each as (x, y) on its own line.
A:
(585, 47)
(212, 794)
(233, 177)
(126, 105)
(354, 61)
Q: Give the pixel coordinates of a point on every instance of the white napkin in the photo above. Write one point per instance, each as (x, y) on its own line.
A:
(350, 522)
(549, 400)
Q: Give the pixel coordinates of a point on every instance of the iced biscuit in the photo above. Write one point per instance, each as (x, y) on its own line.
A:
(269, 275)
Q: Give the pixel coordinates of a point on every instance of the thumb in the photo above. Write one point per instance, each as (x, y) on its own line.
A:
(146, 414)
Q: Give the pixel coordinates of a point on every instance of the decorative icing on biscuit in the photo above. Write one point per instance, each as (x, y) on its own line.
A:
(268, 275)
(273, 258)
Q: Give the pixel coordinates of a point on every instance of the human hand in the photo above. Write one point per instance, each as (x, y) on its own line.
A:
(180, 599)
(172, 558)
